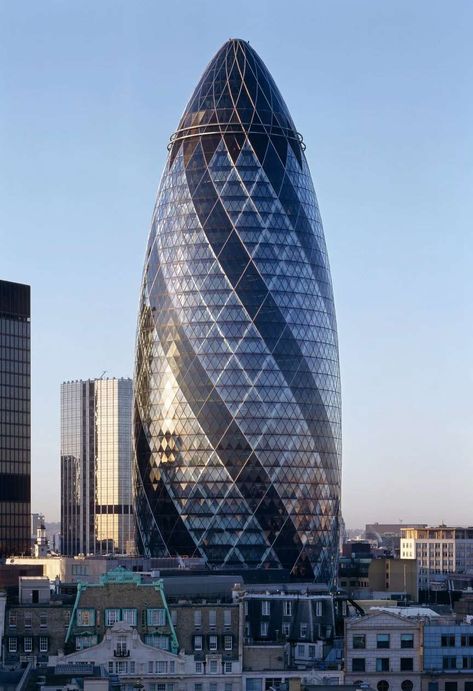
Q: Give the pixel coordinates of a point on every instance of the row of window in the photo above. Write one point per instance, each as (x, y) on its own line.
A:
(383, 640)
(43, 644)
(383, 685)
(452, 662)
(212, 642)
(287, 608)
(212, 667)
(87, 616)
(212, 618)
(383, 664)
(27, 619)
(285, 629)
(449, 641)
(450, 686)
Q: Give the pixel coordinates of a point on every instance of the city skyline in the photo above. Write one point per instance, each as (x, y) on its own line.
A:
(394, 204)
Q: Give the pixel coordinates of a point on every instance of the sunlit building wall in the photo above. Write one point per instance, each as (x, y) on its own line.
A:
(96, 502)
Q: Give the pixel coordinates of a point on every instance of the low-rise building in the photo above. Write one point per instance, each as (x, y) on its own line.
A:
(448, 657)
(384, 650)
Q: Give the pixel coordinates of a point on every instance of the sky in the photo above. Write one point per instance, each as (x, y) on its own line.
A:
(382, 93)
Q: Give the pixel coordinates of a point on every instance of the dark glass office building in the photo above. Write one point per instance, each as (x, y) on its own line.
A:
(15, 437)
(237, 391)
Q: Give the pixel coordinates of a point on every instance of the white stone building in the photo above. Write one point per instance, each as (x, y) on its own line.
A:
(384, 650)
(123, 654)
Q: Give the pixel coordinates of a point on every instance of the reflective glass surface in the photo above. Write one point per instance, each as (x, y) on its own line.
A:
(15, 437)
(237, 391)
(96, 493)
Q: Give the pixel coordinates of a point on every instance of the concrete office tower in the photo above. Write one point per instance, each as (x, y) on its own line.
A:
(96, 494)
(15, 437)
(237, 391)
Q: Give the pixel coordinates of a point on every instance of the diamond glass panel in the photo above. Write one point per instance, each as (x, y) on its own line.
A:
(237, 391)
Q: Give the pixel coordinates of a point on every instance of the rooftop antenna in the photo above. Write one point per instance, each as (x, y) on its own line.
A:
(103, 374)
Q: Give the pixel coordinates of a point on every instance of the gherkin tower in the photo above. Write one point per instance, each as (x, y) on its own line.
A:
(237, 431)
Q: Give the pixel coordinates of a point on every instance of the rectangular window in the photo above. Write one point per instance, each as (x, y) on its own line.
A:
(265, 608)
(212, 618)
(467, 642)
(161, 667)
(156, 617)
(43, 644)
(213, 643)
(212, 686)
(228, 642)
(359, 641)
(227, 617)
(312, 651)
(28, 644)
(382, 640)
(197, 642)
(228, 668)
(468, 686)
(287, 608)
(132, 667)
(451, 686)
(447, 641)
(213, 668)
(174, 616)
(286, 628)
(12, 645)
(197, 687)
(449, 662)
(197, 618)
(303, 630)
(407, 664)
(130, 616)
(358, 664)
(382, 664)
(228, 684)
(27, 620)
(85, 617)
(112, 616)
(121, 667)
(43, 620)
(300, 650)
(12, 619)
(199, 667)
(264, 628)
(83, 642)
(407, 640)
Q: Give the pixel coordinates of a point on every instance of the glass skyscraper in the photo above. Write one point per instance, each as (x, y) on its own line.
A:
(237, 391)
(96, 493)
(15, 437)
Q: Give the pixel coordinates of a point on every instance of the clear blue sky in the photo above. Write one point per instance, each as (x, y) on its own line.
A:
(382, 92)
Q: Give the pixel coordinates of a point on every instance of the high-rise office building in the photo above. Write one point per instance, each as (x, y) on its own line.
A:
(15, 437)
(96, 494)
(237, 393)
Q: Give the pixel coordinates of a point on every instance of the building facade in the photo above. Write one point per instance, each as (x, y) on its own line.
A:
(384, 650)
(237, 392)
(96, 488)
(438, 550)
(15, 436)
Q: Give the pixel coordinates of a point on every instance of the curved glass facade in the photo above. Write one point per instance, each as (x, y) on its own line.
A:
(237, 390)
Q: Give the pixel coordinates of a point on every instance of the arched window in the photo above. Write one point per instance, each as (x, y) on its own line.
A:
(407, 685)
(382, 685)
